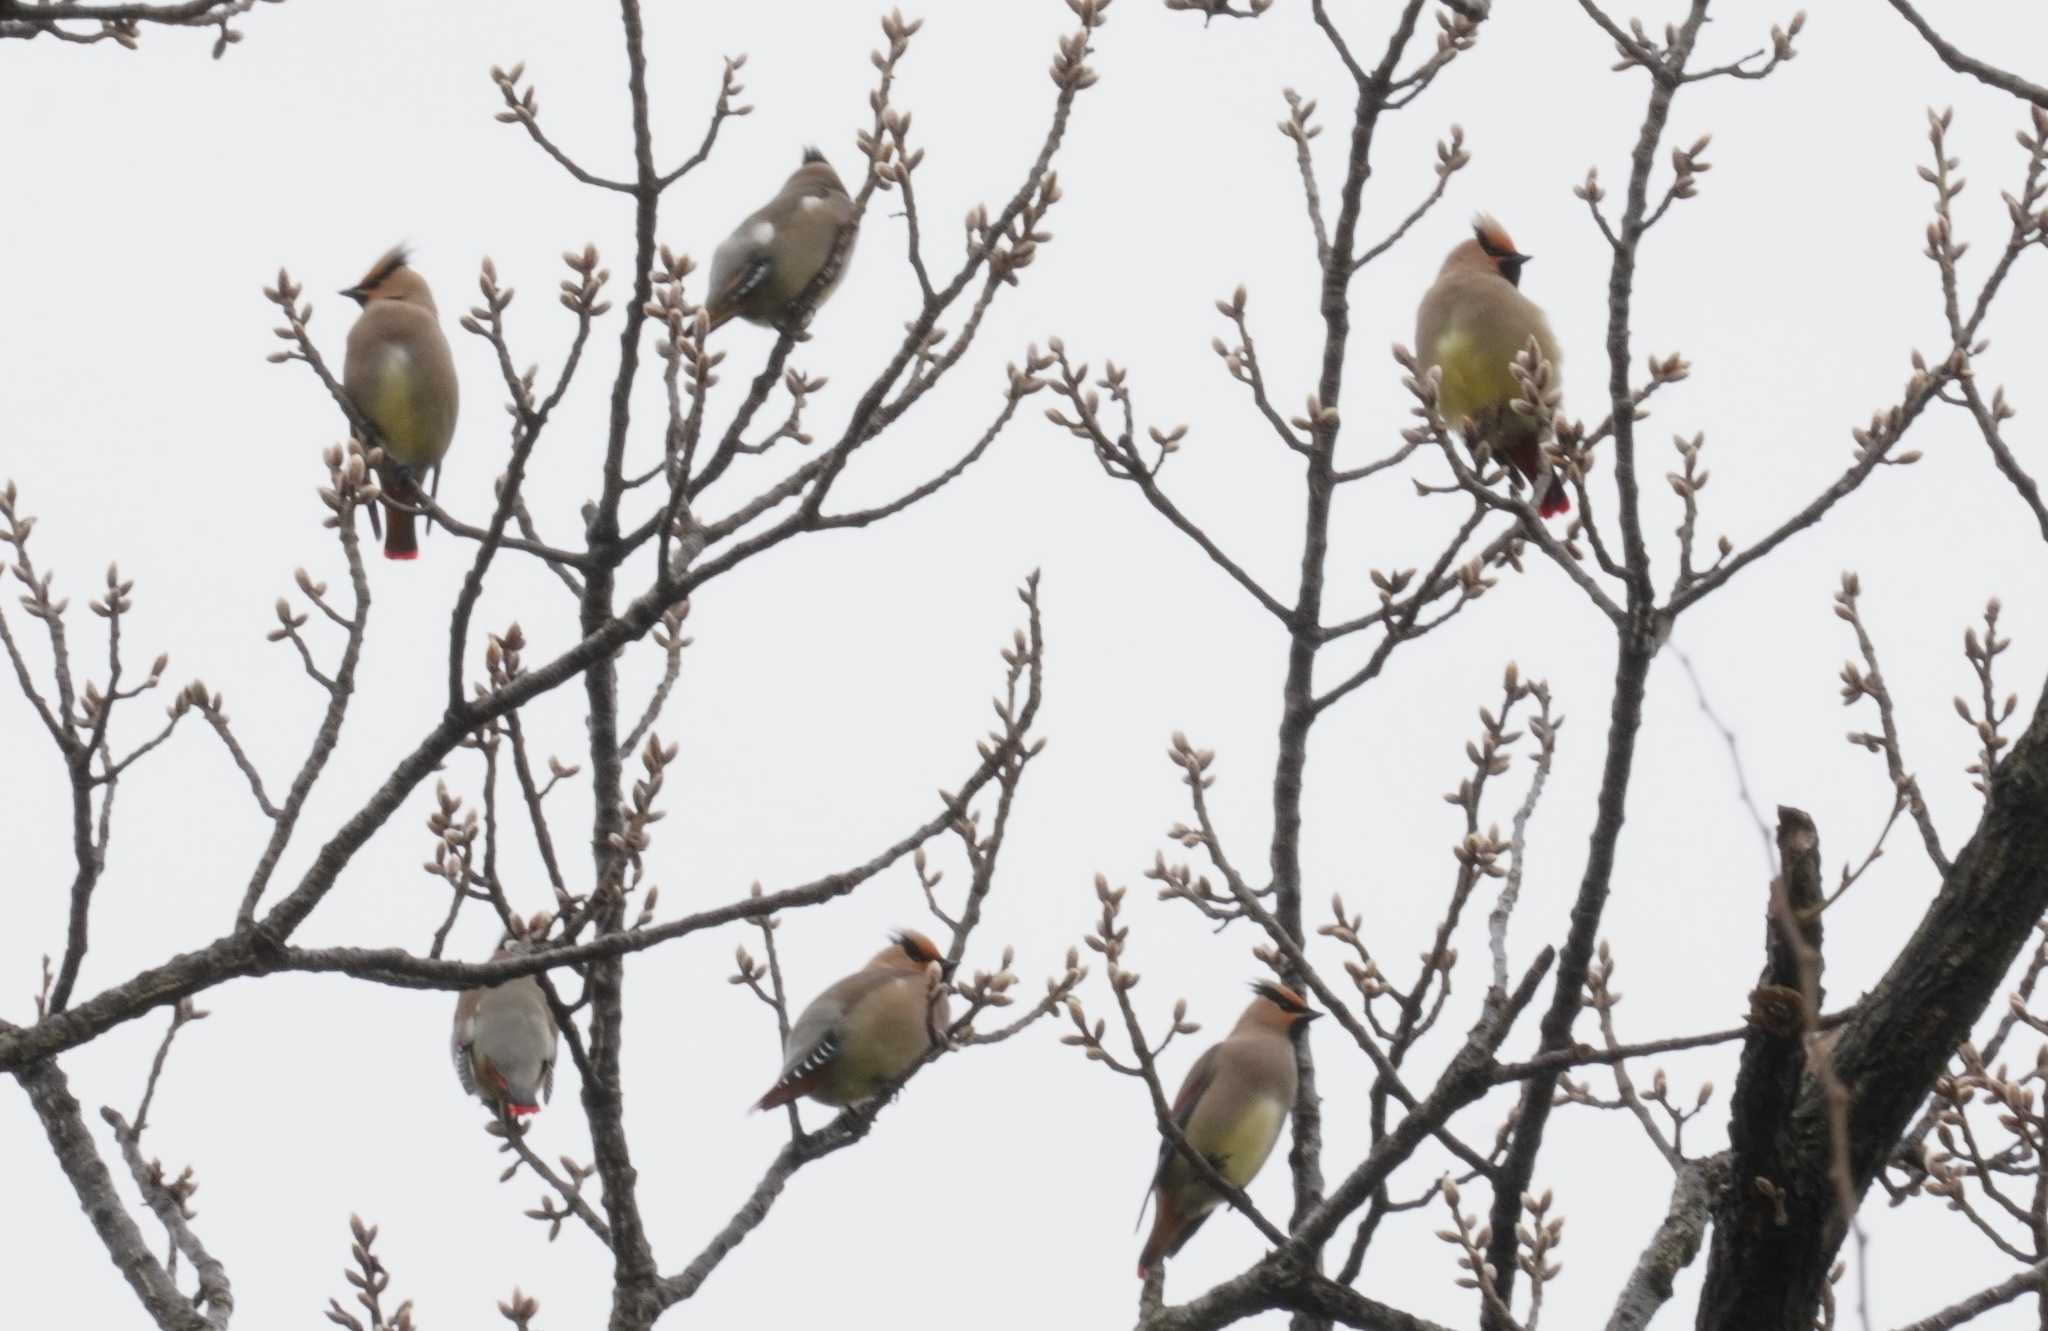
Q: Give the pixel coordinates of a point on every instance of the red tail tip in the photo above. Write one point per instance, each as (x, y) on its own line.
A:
(1556, 502)
(518, 1110)
(400, 554)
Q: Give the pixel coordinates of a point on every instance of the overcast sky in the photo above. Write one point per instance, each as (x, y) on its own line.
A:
(836, 684)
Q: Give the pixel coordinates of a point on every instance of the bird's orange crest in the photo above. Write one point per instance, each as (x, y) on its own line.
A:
(917, 947)
(1280, 996)
(393, 259)
(1492, 236)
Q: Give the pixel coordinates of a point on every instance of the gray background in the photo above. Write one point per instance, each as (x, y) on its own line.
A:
(835, 684)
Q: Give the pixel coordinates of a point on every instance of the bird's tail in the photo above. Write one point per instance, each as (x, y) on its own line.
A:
(788, 1089)
(401, 538)
(1547, 484)
(401, 541)
(497, 1091)
(1170, 1229)
(1155, 1245)
(521, 1098)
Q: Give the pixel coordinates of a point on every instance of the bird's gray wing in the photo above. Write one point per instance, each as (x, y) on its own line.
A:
(465, 1033)
(815, 1039)
(1191, 1090)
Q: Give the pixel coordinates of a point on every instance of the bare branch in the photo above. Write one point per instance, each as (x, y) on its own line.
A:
(49, 1094)
(1673, 1247)
(522, 107)
(1869, 683)
(570, 1190)
(122, 24)
(1963, 64)
(168, 1200)
(670, 639)
(1756, 815)
(2031, 1280)
(371, 1280)
(1451, 158)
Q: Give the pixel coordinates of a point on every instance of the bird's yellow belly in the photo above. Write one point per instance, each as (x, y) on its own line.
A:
(1476, 377)
(1245, 1147)
(871, 1063)
(413, 433)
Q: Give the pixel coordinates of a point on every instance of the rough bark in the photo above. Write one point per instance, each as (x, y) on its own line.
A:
(1766, 1270)
(1673, 1247)
(1773, 1071)
(49, 1093)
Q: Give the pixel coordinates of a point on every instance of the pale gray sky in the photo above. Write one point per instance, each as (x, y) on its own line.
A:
(834, 685)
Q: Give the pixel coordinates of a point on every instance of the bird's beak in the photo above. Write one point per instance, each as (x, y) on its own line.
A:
(1309, 1016)
(1523, 258)
(357, 294)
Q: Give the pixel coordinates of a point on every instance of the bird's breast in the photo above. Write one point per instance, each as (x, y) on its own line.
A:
(1245, 1145)
(395, 372)
(1476, 377)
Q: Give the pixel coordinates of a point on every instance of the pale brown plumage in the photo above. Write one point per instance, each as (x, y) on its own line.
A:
(1472, 323)
(761, 269)
(1230, 1108)
(400, 374)
(504, 1043)
(867, 1029)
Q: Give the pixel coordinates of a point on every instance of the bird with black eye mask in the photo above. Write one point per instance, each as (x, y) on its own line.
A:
(1230, 1109)
(867, 1029)
(400, 374)
(1473, 322)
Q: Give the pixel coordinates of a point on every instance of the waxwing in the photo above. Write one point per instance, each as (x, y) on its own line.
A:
(400, 374)
(1230, 1109)
(504, 1042)
(1473, 322)
(760, 270)
(864, 1031)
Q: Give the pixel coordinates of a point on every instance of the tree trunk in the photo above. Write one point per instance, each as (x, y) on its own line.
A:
(1771, 1251)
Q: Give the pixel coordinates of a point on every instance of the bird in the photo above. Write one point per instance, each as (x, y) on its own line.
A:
(864, 1031)
(759, 271)
(504, 1042)
(1473, 322)
(400, 375)
(1230, 1109)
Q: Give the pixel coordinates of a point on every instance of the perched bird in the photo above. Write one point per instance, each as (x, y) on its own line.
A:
(504, 1042)
(759, 270)
(401, 375)
(862, 1033)
(1472, 324)
(1230, 1109)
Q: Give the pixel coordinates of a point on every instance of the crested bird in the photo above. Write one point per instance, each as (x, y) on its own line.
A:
(864, 1031)
(400, 374)
(1473, 322)
(765, 265)
(504, 1042)
(1230, 1109)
